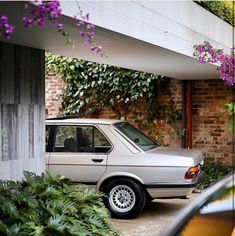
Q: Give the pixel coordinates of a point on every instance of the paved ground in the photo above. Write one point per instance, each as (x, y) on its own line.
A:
(155, 217)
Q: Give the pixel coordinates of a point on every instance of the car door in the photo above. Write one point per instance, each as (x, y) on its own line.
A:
(79, 152)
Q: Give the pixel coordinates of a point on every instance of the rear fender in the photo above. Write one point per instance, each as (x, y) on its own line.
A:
(116, 175)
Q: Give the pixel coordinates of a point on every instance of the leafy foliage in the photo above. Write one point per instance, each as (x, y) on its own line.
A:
(91, 86)
(222, 9)
(51, 206)
(230, 109)
(214, 171)
(174, 120)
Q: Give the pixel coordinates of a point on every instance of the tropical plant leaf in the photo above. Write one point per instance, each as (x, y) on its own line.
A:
(49, 205)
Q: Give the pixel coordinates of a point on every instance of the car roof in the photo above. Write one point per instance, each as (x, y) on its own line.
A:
(81, 121)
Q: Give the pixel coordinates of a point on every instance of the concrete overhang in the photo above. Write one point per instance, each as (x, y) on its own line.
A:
(156, 37)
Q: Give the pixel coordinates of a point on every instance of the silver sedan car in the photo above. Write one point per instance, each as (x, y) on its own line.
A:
(119, 160)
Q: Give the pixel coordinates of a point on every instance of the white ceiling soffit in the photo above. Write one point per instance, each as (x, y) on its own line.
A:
(121, 50)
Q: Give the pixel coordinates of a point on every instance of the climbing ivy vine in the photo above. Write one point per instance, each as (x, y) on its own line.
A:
(92, 86)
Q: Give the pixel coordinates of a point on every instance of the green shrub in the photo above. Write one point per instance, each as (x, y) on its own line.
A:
(230, 110)
(214, 171)
(47, 205)
(223, 9)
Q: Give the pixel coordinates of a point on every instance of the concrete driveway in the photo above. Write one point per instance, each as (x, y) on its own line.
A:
(155, 218)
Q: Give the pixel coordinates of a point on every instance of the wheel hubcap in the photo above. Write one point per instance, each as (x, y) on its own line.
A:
(122, 198)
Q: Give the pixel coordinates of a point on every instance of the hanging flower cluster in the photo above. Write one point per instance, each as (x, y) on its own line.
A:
(227, 70)
(51, 10)
(205, 53)
(88, 34)
(6, 29)
(41, 12)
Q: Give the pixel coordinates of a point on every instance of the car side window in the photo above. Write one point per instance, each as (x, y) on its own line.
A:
(65, 139)
(84, 135)
(86, 139)
(101, 144)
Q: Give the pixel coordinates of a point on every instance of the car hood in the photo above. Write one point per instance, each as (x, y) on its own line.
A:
(176, 156)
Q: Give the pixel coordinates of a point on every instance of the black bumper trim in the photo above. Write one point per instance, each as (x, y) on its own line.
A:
(190, 185)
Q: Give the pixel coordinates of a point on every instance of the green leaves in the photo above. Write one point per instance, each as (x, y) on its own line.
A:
(214, 171)
(230, 110)
(230, 107)
(222, 9)
(51, 205)
(95, 85)
(3, 228)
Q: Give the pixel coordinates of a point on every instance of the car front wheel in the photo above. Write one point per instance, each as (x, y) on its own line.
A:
(124, 198)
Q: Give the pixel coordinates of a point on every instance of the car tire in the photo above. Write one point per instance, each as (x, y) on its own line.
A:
(124, 198)
(149, 199)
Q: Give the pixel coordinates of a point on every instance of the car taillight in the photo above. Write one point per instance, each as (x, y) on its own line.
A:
(192, 172)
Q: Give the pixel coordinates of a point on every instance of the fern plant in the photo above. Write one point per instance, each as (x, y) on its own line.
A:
(47, 205)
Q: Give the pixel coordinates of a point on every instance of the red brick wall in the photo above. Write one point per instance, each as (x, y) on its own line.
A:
(54, 88)
(210, 132)
(159, 129)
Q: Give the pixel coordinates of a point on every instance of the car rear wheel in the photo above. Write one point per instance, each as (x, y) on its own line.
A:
(124, 198)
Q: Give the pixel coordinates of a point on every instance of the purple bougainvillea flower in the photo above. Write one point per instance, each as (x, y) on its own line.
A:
(60, 26)
(87, 41)
(205, 53)
(82, 33)
(90, 26)
(44, 10)
(3, 20)
(80, 23)
(92, 34)
(51, 10)
(6, 29)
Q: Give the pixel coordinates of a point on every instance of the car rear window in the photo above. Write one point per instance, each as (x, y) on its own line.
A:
(140, 139)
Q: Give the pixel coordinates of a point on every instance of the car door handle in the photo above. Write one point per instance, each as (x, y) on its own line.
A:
(97, 160)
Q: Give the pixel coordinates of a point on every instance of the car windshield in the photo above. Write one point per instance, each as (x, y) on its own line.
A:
(140, 139)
